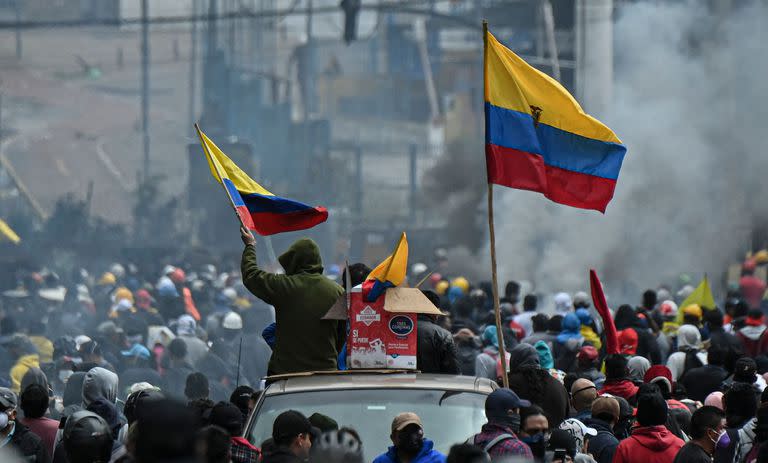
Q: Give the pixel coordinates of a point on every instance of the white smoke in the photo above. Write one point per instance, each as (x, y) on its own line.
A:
(690, 103)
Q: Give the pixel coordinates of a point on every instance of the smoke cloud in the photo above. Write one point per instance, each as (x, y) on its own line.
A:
(689, 101)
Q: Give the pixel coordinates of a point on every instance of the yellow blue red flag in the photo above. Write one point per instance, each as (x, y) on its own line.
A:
(538, 138)
(389, 273)
(259, 210)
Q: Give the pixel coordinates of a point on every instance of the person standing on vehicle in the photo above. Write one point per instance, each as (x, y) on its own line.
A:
(301, 297)
(410, 446)
(291, 436)
(499, 436)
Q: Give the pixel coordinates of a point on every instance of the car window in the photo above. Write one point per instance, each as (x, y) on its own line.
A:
(448, 417)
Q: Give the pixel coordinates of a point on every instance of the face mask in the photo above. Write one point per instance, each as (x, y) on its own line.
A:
(411, 443)
(723, 441)
(537, 443)
(3, 420)
(511, 421)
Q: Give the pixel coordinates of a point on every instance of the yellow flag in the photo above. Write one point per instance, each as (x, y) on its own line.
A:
(702, 296)
(391, 272)
(7, 232)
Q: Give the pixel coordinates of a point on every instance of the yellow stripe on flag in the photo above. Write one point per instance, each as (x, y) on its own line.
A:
(394, 267)
(229, 170)
(512, 83)
(7, 232)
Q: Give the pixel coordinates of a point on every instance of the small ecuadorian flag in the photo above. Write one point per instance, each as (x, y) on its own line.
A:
(389, 273)
(539, 139)
(259, 210)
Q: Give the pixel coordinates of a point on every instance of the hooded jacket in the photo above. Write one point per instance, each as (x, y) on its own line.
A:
(647, 346)
(301, 297)
(531, 382)
(23, 364)
(688, 341)
(99, 383)
(649, 444)
(427, 455)
(754, 340)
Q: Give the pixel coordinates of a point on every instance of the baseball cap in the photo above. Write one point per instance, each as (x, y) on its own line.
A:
(290, 424)
(628, 341)
(578, 430)
(587, 353)
(606, 405)
(404, 419)
(501, 400)
(8, 399)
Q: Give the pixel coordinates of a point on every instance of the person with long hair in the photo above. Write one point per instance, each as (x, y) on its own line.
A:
(531, 382)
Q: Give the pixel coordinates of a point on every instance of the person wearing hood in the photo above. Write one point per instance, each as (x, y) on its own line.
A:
(563, 303)
(546, 360)
(647, 346)
(651, 441)
(568, 343)
(99, 383)
(637, 367)
(186, 329)
(488, 362)
(689, 353)
(301, 298)
(587, 328)
(702, 381)
(587, 362)
(605, 415)
(499, 437)
(409, 443)
(617, 381)
(753, 337)
(535, 384)
(22, 349)
(707, 430)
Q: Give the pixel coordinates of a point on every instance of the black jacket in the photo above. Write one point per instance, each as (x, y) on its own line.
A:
(549, 394)
(603, 445)
(436, 349)
(29, 445)
(701, 381)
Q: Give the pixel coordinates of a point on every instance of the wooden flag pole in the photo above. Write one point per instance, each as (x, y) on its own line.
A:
(218, 174)
(494, 275)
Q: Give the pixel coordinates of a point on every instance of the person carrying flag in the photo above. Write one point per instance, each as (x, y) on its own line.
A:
(301, 297)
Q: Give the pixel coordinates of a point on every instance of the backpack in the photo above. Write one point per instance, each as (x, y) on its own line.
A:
(466, 354)
(493, 442)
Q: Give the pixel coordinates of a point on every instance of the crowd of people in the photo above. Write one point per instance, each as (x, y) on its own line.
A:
(166, 364)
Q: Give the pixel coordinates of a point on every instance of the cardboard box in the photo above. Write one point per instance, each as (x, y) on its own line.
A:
(383, 334)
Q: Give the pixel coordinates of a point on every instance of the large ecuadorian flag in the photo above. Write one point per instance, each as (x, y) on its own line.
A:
(538, 138)
(259, 210)
(388, 274)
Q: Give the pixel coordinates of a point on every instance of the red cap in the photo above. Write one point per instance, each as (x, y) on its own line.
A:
(628, 341)
(659, 373)
(587, 353)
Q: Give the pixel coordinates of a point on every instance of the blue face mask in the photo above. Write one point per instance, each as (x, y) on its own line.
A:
(537, 443)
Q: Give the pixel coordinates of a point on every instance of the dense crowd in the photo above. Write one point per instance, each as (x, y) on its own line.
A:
(166, 364)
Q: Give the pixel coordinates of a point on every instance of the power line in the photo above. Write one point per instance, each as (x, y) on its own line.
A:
(407, 7)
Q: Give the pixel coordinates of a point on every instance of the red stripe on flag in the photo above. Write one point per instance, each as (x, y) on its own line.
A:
(270, 223)
(525, 171)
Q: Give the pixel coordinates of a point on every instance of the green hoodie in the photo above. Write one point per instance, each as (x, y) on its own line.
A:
(301, 298)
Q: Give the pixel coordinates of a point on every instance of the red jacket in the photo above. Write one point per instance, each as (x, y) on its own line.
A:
(648, 444)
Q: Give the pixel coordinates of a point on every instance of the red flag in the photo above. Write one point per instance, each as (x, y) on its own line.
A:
(598, 298)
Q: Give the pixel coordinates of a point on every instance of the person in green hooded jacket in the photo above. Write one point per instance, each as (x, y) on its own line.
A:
(301, 297)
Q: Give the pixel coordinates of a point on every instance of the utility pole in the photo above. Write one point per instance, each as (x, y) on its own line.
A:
(17, 4)
(193, 68)
(309, 104)
(145, 84)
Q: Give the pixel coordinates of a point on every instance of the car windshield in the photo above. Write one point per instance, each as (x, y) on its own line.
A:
(449, 417)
